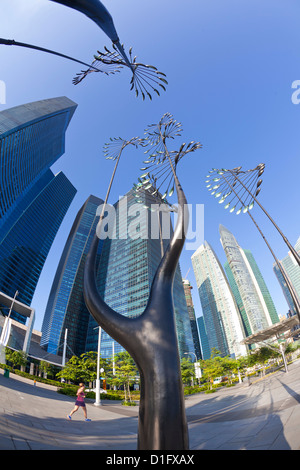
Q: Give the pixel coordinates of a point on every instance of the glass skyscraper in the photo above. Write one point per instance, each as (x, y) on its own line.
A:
(24, 248)
(206, 352)
(292, 270)
(190, 306)
(128, 265)
(128, 259)
(66, 307)
(223, 326)
(32, 138)
(254, 300)
(33, 201)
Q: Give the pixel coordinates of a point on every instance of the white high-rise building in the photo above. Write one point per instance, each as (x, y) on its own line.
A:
(220, 313)
(292, 271)
(255, 306)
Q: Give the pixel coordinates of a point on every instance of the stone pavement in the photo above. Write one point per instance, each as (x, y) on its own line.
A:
(263, 416)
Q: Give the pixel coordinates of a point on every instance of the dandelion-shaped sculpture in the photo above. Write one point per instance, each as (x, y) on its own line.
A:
(145, 78)
(161, 164)
(230, 187)
(151, 338)
(113, 151)
(238, 191)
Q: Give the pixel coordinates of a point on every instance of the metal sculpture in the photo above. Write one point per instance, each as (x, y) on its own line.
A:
(12, 42)
(151, 338)
(247, 186)
(233, 185)
(144, 77)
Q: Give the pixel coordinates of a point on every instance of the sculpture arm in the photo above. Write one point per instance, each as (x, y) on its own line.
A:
(168, 264)
(112, 322)
(97, 12)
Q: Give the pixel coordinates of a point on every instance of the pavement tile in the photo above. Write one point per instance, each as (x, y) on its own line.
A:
(263, 416)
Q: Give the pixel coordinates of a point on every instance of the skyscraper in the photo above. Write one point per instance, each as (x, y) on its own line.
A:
(190, 306)
(221, 317)
(128, 259)
(256, 305)
(292, 270)
(32, 138)
(66, 307)
(25, 246)
(33, 201)
(128, 265)
(206, 352)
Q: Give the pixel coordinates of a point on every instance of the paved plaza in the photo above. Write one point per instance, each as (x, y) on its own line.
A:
(262, 416)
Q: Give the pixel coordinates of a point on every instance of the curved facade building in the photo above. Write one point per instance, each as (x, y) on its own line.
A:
(32, 138)
(33, 201)
(223, 325)
(66, 307)
(258, 308)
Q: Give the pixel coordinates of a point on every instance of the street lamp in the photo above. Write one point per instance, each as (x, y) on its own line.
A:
(98, 397)
(223, 185)
(197, 366)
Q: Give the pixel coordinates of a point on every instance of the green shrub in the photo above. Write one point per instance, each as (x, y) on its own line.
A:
(128, 403)
(68, 390)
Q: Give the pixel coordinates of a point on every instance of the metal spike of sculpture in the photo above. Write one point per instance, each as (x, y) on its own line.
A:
(151, 338)
(144, 77)
(12, 42)
(241, 189)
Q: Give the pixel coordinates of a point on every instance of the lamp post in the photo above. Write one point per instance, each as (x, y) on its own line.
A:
(98, 397)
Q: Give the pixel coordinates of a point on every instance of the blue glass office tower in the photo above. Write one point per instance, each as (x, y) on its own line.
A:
(25, 246)
(128, 259)
(33, 201)
(128, 265)
(206, 352)
(32, 138)
(66, 308)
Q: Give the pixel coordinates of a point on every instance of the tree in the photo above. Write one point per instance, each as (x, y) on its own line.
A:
(17, 358)
(125, 372)
(83, 368)
(262, 355)
(72, 372)
(213, 367)
(46, 368)
(187, 371)
(89, 365)
(230, 366)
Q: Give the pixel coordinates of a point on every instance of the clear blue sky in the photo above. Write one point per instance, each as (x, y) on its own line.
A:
(230, 67)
